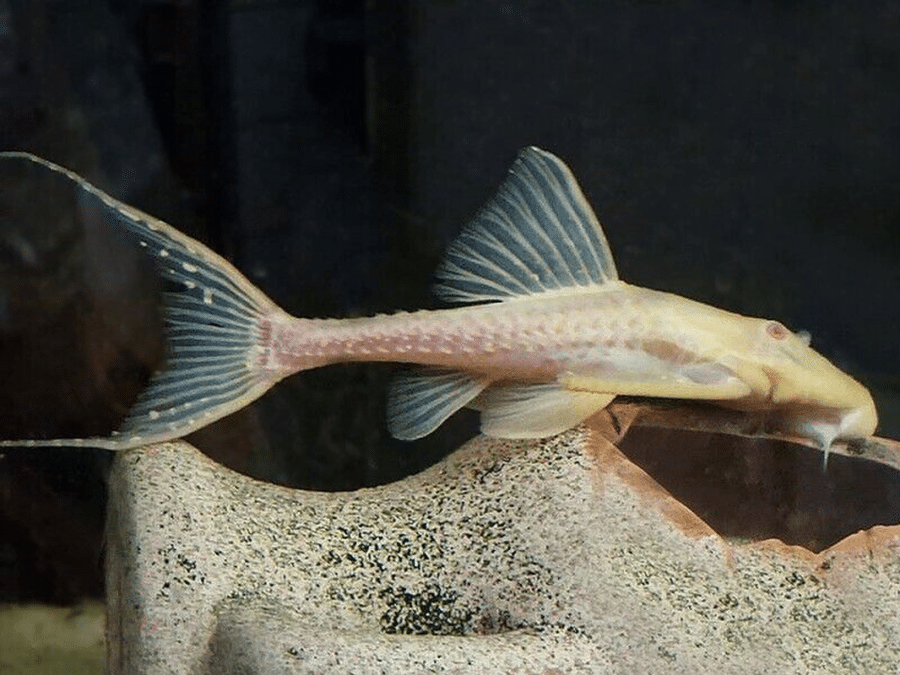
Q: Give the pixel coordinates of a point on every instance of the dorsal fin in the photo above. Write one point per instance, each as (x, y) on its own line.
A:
(537, 234)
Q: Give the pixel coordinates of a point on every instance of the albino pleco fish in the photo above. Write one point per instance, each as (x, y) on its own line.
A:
(550, 337)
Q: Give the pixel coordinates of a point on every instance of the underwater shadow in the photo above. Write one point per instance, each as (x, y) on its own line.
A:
(750, 489)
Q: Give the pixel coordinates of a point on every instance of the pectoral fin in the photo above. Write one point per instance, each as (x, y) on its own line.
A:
(535, 411)
(702, 381)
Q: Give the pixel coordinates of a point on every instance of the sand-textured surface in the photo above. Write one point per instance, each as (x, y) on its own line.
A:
(551, 556)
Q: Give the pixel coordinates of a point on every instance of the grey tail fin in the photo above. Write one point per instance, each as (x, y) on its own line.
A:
(215, 322)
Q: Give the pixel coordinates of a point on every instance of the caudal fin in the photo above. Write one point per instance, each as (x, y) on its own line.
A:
(215, 321)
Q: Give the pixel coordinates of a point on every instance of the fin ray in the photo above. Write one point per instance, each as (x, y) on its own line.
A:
(420, 401)
(537, 234)
(212, 316)
(657, 385)
(536, 411)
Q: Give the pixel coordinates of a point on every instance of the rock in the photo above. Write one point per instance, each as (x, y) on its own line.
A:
(552, 556)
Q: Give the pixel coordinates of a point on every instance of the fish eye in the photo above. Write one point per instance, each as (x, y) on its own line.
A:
(776, 330)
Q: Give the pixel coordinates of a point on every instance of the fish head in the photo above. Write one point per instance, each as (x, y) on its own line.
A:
(813, 398)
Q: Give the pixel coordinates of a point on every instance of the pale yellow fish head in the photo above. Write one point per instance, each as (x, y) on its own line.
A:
(814, 399)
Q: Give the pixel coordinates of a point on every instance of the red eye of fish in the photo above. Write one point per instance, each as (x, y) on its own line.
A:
(776, 330)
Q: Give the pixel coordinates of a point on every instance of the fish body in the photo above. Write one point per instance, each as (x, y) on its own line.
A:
(552, 337)
(620, 332)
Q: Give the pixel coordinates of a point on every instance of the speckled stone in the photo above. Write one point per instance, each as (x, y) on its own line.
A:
(530, 557)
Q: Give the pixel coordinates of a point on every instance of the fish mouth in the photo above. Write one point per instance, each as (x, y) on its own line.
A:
(824, 426)
(860, 422)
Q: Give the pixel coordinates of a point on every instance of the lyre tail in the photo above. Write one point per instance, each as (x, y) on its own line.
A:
(216, 325)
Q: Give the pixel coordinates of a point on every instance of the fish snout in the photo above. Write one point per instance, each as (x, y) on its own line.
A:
(823, 403)
(859, 422)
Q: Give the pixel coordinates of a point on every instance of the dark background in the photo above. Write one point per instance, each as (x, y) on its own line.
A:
(745, 154)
